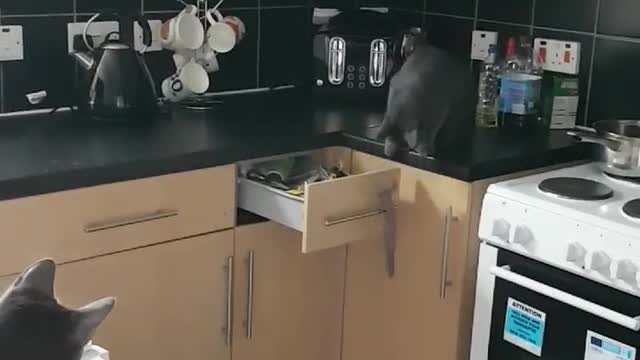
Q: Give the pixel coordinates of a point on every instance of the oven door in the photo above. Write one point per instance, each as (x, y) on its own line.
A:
(536, 311)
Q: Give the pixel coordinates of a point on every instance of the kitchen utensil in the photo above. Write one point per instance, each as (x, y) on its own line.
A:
(191, 79)
(118, 82)
(184, 31)
(225, 32)
(620, 145)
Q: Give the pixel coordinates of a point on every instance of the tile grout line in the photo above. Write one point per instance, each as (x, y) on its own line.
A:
(476, 11)
(259, 35)
(533, 17)
(591, 64)
(423, 21)
(434, 13)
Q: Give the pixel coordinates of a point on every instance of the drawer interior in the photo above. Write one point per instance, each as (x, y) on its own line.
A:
(329, 213)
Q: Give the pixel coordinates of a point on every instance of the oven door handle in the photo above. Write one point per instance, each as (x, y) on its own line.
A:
(505, 273)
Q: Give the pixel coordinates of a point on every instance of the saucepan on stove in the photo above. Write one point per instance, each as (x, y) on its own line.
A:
(620, 145)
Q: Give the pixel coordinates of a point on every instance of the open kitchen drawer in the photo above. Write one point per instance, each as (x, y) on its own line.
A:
(332, 212)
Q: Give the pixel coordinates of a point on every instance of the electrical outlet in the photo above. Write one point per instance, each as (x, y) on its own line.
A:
(558, 55)
(155, 36)
(98, 31)
(480, 43)
(11, 44)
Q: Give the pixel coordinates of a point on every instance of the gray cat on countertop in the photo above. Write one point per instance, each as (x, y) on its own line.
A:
(431, 103)
(33, 326)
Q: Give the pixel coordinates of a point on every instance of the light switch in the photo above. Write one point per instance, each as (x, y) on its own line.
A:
(11, 46)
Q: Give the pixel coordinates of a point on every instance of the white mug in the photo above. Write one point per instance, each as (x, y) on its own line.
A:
(225, 32)
(208, 59)
(191, 79)
(182, 57)
(184, 31)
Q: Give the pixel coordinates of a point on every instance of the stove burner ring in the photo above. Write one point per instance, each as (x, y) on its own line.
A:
(576, 188)
(632, 208)
(627, 179)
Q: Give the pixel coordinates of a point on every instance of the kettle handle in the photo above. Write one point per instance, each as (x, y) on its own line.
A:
(147, 36)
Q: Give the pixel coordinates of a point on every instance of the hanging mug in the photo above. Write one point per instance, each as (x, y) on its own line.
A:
(225, 32)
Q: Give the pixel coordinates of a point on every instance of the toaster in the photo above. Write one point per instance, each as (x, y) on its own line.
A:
(353, 56)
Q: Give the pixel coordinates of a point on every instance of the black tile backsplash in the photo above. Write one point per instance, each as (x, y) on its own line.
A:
(19, 7)
(452, 34)
(282, 26)
(606, 82)
(615, 75)
(566, 14)
(276, 50)
(453, 7)
(283, 59)
(620, 17)
(46, 65)
(513, 11)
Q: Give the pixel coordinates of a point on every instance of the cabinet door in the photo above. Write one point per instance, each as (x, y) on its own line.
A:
(409, 316)
(297, 301)
(171, 298)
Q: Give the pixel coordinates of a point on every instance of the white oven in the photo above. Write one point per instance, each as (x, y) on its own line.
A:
(559, 269)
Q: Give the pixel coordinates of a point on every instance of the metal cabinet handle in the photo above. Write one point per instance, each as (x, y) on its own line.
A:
(449, 217)
(249, 322)
(332, 222)
(228, 327)
(129, 220)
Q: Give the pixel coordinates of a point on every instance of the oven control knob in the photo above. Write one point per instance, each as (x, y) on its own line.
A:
(576, 254)
(601, 263)
(522, 235)
(501, 229)
(627, 272)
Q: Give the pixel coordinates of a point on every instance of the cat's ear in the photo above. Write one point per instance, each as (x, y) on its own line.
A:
(88, 318)
(39, 276)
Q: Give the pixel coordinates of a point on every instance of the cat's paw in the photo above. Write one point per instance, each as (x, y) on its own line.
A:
(391, 147)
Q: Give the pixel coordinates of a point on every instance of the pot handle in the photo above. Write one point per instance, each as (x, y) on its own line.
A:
(587, 134)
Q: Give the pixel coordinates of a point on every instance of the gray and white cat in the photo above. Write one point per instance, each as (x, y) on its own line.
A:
(33, 326)
(431, 103)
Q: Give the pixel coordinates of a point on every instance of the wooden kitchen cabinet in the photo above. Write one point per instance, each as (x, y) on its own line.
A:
(297, 299)
(171, 298)
(417, 314)
(83, 223)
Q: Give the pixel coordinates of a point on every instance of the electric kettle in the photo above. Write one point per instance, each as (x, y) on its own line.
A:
(118, 84)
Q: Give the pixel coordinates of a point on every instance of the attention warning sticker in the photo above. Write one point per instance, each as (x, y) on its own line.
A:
(524, 326)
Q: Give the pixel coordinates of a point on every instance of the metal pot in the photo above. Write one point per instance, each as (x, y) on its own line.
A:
(620, 150)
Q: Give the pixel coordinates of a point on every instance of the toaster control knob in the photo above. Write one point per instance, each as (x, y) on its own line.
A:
(319, 82)
(501, 229)
(627, 272)
(601, 263)
(522, 235)
(576, 254)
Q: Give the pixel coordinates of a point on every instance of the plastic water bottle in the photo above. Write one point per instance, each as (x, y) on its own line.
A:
(487, 107)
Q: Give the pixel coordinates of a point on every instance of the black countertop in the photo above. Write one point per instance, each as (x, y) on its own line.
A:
(47, 153)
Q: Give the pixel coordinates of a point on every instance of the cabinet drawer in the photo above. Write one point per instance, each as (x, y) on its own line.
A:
(82, 223)
(331, 213)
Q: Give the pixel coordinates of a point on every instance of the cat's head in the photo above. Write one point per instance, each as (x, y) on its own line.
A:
(33, 326)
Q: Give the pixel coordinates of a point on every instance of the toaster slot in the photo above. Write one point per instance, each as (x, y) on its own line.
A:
(378, 62)
(337, 58)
